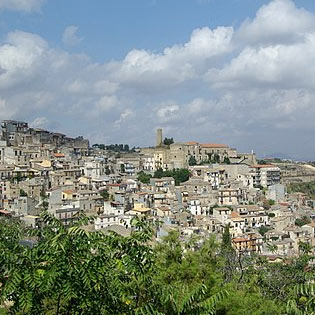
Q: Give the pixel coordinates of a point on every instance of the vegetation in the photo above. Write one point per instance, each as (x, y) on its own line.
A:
(144, 177)
(168, 141)
(107, 170)
(192, 161)
(226, 160)
(264, 229)
(267, 203)
(306, 188)
(105, 194)
(122, 168)
(214, 159)
(73, 271)
(23, 193)
(302, 221)
(180, 175)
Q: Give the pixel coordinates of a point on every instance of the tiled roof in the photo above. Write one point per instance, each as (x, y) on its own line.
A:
(214, 145)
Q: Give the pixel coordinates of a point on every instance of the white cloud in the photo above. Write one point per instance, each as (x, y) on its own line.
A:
(21, 5)
(70, 36)
(147, 70)
(127, 113)
(238, 87)
(39, 122)
(106, 103)
(279, 21)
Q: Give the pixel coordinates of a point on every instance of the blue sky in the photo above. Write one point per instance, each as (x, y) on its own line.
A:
(232, 71)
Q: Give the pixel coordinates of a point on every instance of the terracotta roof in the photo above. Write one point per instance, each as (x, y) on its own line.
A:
(191, 142)
(214, 145)
(59, 155)
(68, 191)
(235, 214)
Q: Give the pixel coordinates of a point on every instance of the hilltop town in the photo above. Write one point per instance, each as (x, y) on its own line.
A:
(193, 188)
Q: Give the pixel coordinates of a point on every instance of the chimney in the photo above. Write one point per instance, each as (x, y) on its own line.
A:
(159, 140)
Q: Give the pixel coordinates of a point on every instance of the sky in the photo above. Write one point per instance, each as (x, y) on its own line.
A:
(238, 72)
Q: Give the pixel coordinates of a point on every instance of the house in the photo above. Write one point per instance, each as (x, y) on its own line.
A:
(265, 175)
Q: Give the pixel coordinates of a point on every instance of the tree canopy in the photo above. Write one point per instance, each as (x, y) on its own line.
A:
(68, 270)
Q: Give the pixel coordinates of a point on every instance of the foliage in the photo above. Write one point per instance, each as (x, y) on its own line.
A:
(45, 205)
(192, 161)
(216, 158)
(105, 194)
(302, 221)
(168, 141)
(263, 230)
(72, 271)
(303, 301)
(267, 203)
(262, 162)
(144, 177)
(307, 188)
(122, 168)
(23, 193)
(271, 202)
(180, 175)
(107, 170)
(226, 160)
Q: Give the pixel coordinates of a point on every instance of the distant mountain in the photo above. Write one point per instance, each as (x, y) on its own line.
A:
(279, 155)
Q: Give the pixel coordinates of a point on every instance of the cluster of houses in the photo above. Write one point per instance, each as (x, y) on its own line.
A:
(42, 170)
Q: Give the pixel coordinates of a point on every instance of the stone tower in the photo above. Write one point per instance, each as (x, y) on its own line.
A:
(159, 137)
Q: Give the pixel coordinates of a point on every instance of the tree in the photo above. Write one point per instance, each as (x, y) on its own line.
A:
(229, 254)
(107, 170)
(303, 301)
(192, 161)
(23, 193)
(302, 221)
(216, 158)
(105, 194)
(122, 168)
(72, 271)
(158, 173)
(45, 205)
(168, 141)
(144, 177)
(226, 160)
(263, 230)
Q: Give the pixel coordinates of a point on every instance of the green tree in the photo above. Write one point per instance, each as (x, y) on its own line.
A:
(122, 168)
(216, 158)
(226, 160)
(105, 194)
(168, 141)
(192, 161)
(302, 221)
(263, 230)
(23, 193)
(107, 170)
(144, 177)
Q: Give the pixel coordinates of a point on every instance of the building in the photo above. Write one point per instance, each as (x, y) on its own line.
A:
(265, 175)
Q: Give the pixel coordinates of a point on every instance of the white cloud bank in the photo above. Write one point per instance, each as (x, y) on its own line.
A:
(251, 87)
